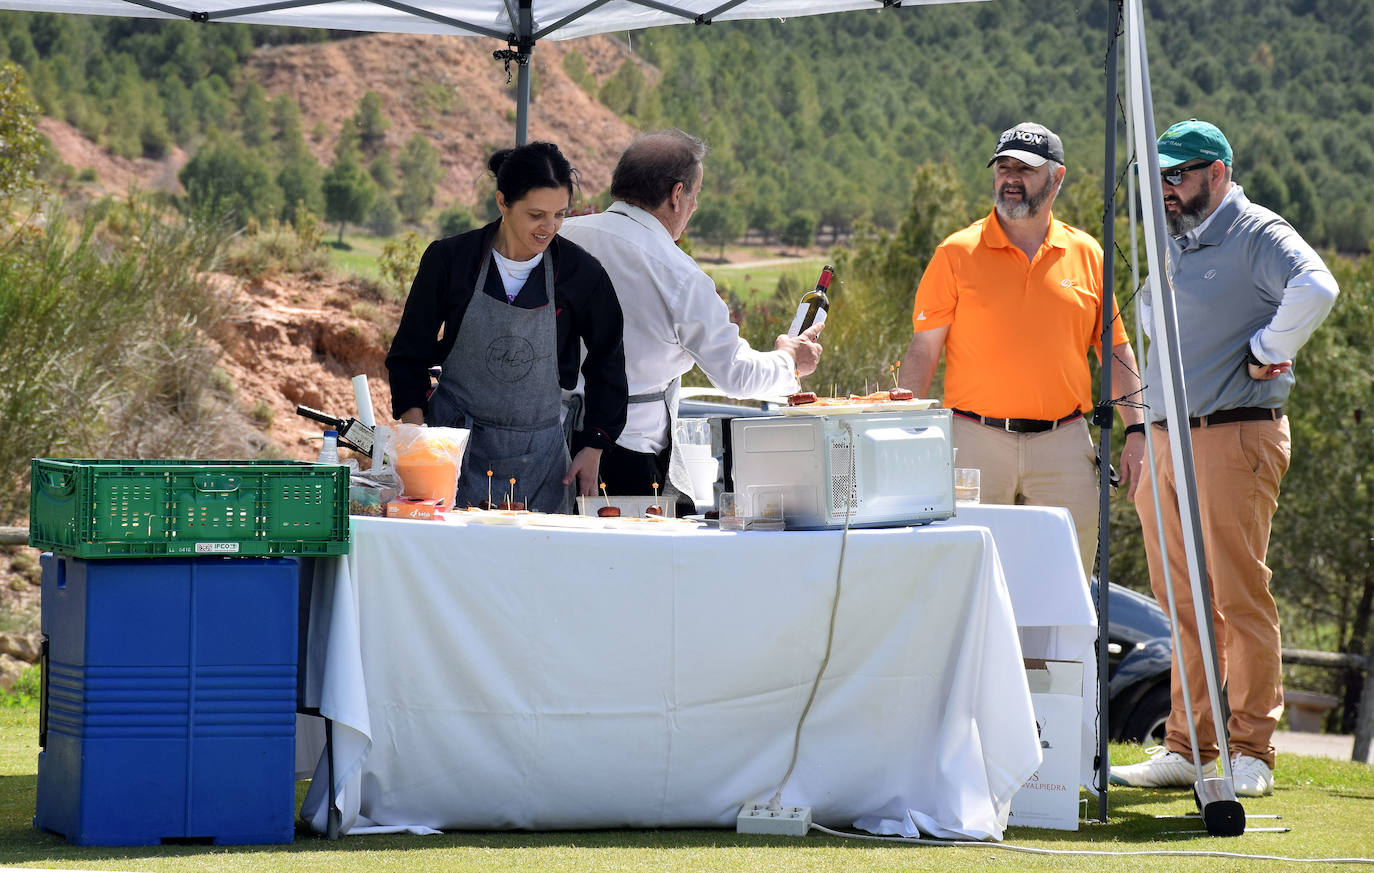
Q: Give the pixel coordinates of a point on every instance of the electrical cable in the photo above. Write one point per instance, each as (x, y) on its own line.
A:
(1032, 850)
(775, 802)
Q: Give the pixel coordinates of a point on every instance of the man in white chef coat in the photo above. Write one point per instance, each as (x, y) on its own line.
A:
(673, 316)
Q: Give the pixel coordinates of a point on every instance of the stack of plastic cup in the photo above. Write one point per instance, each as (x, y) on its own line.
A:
(694, 441)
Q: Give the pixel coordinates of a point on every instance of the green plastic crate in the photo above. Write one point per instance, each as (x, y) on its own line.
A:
(146, 509)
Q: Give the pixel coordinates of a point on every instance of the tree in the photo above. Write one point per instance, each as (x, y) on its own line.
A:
(384, 219)
(799, 229)
(1320, 550)
(420, 175)
(255, 119)
(383, 172)
(301, 183)
(225, 178)
(348, 193)
(719, 221)
(936, 210)
(575, 65)
(455, 220)
(371, 122)
(286, 120)
(623, 91)
(22, 142)
(765, 208)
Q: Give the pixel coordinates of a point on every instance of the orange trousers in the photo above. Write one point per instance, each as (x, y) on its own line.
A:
(1239, 467)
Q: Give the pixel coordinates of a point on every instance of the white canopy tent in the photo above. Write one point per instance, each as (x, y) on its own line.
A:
(520, 24)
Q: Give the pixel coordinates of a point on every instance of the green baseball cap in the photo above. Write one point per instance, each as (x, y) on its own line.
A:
(1192, 140)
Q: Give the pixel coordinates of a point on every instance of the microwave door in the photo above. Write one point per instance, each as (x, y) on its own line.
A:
(903, 472)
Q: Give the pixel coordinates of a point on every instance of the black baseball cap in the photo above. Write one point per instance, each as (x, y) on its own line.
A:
(1031, 143)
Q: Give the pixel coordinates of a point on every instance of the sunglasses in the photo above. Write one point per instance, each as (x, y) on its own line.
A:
(1175, 176)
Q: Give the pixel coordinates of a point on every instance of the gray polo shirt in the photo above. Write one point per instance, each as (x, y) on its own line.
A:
(1228, 283)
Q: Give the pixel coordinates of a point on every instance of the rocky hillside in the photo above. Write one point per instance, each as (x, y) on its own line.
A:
(301, 340)
(448, 88)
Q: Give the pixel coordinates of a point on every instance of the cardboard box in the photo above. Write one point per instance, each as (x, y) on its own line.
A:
(415, 507)
(1049, 798)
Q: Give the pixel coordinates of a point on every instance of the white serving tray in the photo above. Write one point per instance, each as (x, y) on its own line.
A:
(851, 408)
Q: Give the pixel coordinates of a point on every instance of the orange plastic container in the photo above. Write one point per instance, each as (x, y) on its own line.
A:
(428, 461)
(432, 479)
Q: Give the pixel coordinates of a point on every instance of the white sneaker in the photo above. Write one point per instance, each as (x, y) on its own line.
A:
(1252, 777)
(1165, 769)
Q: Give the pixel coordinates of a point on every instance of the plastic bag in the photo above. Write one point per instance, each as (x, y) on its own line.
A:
(428, 460)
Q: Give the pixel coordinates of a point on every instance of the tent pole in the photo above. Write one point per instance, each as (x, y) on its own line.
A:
(525, 47)
(1104, 409)
(1216, 797)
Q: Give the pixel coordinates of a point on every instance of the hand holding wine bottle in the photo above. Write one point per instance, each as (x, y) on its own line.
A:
(805, 349)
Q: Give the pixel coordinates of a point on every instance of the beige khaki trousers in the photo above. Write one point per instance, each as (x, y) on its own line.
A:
(1239, 467)
(1053, 468)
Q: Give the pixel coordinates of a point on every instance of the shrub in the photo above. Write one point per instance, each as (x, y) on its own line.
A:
(275, 248)
(455, 220)
(103, 342)
(397, 264)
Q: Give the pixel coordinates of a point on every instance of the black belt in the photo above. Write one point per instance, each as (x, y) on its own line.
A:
(1231, 416)
(1019, 425)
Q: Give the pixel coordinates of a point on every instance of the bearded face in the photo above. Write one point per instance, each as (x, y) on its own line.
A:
(1016, 200)
(1182, 214)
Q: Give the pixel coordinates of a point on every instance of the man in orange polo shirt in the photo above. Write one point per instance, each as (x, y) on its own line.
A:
(1014, 301)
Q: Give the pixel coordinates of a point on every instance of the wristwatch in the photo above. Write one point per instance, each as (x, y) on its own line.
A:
(1251, 359)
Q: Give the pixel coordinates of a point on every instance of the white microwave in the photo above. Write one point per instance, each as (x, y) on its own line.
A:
(879, 469)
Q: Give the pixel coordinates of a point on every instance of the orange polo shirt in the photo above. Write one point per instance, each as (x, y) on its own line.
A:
(1019, 332)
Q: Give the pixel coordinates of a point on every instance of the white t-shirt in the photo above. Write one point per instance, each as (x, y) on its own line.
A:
(514, 274)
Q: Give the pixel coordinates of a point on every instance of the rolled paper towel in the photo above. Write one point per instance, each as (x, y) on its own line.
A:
(363, 399)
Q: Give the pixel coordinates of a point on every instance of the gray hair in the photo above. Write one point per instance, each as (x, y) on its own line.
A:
(653, 164)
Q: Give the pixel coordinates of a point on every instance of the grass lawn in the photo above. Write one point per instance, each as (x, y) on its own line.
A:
(1327, 804)
(753, 282)
(360, 258)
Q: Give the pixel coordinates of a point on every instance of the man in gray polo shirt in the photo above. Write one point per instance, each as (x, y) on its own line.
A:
(1249, 292)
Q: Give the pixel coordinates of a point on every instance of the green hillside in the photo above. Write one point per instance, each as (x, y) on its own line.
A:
(819, 119)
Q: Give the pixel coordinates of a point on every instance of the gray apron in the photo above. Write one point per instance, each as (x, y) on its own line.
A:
(679, 480)
(501, 380)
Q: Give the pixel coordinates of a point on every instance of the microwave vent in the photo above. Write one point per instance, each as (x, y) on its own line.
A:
(842, 486)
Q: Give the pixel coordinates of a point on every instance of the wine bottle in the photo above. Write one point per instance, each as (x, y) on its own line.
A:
(814, 306)
(353, 434)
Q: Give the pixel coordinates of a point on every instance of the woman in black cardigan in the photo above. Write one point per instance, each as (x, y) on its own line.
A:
(510, 351)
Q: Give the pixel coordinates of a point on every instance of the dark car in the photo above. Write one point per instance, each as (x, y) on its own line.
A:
(1138, 642)
(1139, 650)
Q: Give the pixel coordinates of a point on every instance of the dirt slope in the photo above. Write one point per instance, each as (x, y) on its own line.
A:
(446, 87)
(453, 91)
(114, 175)
(299, 340)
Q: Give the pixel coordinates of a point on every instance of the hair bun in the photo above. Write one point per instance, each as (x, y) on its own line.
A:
(497, 159)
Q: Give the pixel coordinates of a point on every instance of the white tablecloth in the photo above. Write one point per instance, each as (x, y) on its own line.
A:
(1050, 595)
(489, 677)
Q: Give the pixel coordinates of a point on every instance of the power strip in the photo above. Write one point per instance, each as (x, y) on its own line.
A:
(786, 821)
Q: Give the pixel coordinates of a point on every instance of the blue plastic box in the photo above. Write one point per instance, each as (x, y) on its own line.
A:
(169, 700)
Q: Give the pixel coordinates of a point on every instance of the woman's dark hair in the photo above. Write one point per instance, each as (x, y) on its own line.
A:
(533, 165)
(653, 164)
